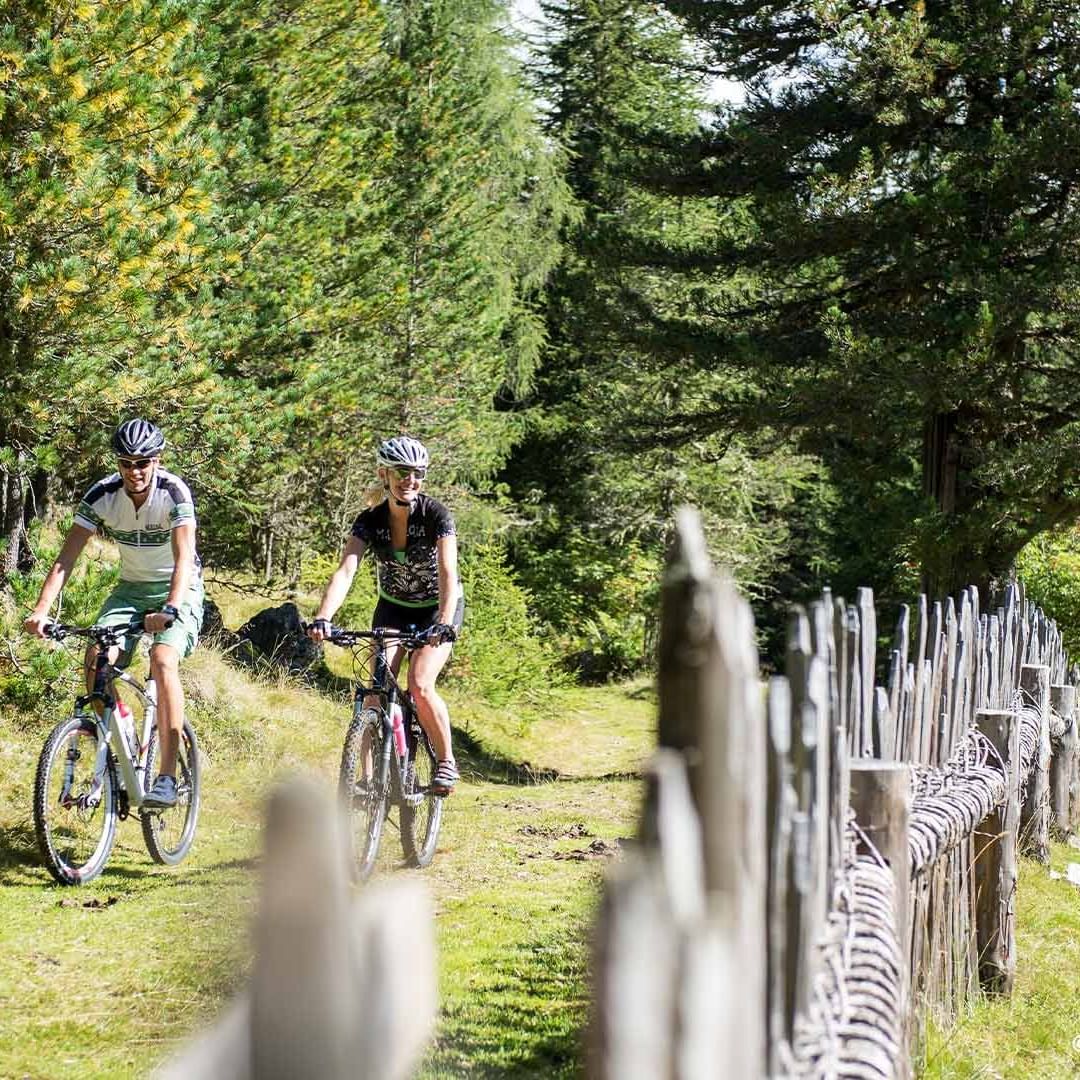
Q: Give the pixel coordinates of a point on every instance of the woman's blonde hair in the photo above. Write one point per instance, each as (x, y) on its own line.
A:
(375, 492)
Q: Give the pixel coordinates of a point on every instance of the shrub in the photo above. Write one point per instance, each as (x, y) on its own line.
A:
(1049, 566)
(41, 679)
(599, 597)
(502, 654)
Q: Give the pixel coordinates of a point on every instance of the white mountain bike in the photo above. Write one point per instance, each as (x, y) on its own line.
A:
(94, 770)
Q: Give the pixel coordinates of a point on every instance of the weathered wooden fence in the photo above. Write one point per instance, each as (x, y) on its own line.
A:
(823, 862)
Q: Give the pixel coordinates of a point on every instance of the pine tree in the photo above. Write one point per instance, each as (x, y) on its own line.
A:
(469, 236)
(392, 197)
(600, 470)
(297, 92)
(106, 189)
(911, 171)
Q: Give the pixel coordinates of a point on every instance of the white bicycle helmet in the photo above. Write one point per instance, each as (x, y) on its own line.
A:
(403, 451)
(138, 438)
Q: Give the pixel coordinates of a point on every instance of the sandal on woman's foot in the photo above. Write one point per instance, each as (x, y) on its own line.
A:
(446, 776)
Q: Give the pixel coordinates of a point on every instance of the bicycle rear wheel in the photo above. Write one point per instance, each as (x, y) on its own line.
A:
(364, 788)
(421, 811)
(74, 810)
(169, 833)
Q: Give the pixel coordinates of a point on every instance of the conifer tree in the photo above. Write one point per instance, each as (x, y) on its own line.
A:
(106, 188)
(597, 469)
(911, 169)
(296, 90)
(469, 237)
(393, 198)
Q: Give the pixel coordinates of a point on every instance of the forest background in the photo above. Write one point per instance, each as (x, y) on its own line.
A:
(839, 314)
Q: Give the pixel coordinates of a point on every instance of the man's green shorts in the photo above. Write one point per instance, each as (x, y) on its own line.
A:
(133, 598)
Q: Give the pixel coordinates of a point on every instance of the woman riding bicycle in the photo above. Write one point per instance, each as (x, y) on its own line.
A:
(414, 545)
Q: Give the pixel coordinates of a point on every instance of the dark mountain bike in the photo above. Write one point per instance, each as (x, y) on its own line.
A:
(94, 770)
(387, 760)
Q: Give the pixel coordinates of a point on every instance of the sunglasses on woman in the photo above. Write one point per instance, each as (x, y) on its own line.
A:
(402, 474)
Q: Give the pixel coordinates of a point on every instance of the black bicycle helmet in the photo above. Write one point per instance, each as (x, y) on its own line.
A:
(403, 450)
(138, 438)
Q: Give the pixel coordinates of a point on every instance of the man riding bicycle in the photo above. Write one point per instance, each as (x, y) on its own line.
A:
(414, 545)
(150, 514)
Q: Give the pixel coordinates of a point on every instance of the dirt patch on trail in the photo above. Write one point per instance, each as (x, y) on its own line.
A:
(556, 832)
(598, 849)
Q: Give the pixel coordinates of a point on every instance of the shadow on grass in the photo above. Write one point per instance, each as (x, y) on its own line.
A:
(18, 851)
(524, 1021)
(21, 862)
(477, 762)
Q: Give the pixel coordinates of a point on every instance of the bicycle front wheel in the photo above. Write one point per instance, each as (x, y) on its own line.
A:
(74, 809)
(421, 811)
(364, 789)
(169, 833)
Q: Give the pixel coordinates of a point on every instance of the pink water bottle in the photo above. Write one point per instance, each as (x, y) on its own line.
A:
(127, 726)
(398, 720)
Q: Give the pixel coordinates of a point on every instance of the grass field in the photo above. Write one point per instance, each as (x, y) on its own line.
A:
(104, 980)
(1035, 1033)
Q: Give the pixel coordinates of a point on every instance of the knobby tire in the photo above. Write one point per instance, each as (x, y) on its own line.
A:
(365, 798)
(75, 843)
(170, 833)
(420, 821)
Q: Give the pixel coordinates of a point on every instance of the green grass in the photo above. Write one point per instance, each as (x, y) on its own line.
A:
(105, 980)
(1036, 1031)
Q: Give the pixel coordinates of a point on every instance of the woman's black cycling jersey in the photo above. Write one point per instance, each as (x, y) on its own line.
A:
(409, 577)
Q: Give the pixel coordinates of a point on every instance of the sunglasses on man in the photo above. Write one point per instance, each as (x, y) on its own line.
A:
(402, 474)
(134, 463)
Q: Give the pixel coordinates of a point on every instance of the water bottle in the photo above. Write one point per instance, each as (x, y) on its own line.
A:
(397, 718)
(127, 727)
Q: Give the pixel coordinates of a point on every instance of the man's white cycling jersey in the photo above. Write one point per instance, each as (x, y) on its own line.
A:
(144, 535)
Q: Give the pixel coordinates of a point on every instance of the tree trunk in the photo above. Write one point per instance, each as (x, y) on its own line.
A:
(268, 555)
(963, 550)
(14, 528)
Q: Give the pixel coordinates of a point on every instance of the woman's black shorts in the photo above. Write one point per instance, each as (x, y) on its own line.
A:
(389, 615)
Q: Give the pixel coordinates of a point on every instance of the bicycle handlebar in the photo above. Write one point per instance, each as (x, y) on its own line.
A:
(338, 635)
(102, 635)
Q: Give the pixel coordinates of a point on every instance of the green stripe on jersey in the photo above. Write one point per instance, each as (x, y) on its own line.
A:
(408, 603)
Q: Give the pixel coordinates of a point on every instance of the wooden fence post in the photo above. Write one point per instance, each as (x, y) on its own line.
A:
(340, 988)
(995, 860)
(1035, 812)
(809, 901)
(711, 708)
(651, 941)
(1063, 702)
(783, 804)
(881, 799)
(1074, 780)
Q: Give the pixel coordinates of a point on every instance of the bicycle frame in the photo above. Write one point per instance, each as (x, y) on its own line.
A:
(132, 765)
(385, 686)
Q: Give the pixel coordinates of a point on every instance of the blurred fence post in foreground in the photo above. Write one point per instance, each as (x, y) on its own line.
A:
(340, 987)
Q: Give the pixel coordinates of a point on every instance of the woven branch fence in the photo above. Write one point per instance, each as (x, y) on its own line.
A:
(824, 862)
